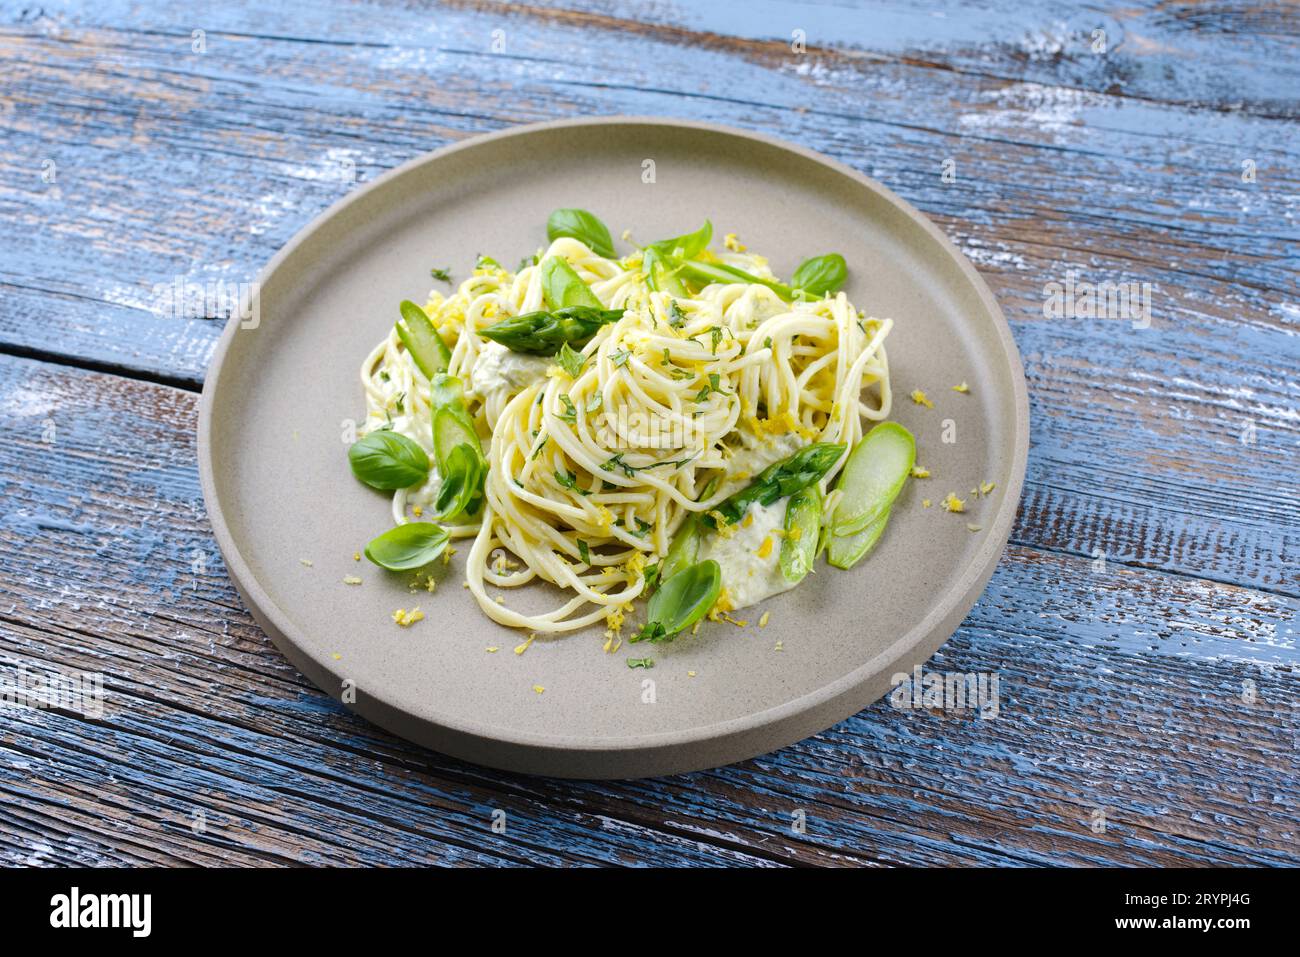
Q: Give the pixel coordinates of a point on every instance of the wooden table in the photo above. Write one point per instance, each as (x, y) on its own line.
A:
(1142, 621)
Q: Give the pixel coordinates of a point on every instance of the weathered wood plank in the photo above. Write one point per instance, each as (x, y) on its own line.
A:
(1056, 168)
(1232, 57)
(1121, 691)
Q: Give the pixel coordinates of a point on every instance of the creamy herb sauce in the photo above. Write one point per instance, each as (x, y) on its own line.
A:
(745, 464)
(747, 577)
(496, 367)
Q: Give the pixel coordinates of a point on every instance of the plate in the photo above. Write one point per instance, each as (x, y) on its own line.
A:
(288, 515)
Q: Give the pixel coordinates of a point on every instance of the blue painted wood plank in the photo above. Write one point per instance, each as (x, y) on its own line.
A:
(1162, 703)
(1124, 688)
(174, 164)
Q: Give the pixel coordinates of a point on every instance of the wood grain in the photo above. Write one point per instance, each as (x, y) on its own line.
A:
(1121, 691)
(1060, 165)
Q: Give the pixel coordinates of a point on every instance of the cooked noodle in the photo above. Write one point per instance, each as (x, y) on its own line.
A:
(665, 402)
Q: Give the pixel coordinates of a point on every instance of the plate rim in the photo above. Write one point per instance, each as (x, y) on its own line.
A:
(926, 635)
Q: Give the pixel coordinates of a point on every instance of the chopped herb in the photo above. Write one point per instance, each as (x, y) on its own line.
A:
(620, 357)
(715, 335)
(616, 461)
(570, 413)
(640, 662)
(442, 275)
(584, 551)
(678, 317)
(570, 481)
(767, 343)
(570, 361)
(595, 402)
(541, 445)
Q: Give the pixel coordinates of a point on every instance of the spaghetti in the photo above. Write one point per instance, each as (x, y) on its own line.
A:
(594, 463)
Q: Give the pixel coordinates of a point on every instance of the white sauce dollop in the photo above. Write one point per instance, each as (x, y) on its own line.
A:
(496, 368)
(745, 464)
(747, 577)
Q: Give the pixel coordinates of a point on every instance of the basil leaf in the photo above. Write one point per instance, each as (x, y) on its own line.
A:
(387, 460)
(821, 274)
(570, 361)
(685, 247)
(583, 226)
(407, 546)
(462, 479)
(680, 601)
(562, 287)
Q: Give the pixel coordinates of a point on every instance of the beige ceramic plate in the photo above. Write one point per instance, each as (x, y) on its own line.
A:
(278, 487)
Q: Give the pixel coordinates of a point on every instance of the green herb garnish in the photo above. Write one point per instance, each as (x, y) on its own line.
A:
(388, 460)
(583, 226)
(407, 547)
(780, 479)
(570, 361)
(821, 274)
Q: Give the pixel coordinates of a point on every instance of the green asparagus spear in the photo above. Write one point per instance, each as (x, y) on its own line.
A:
(542, 333)
(778, 480)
